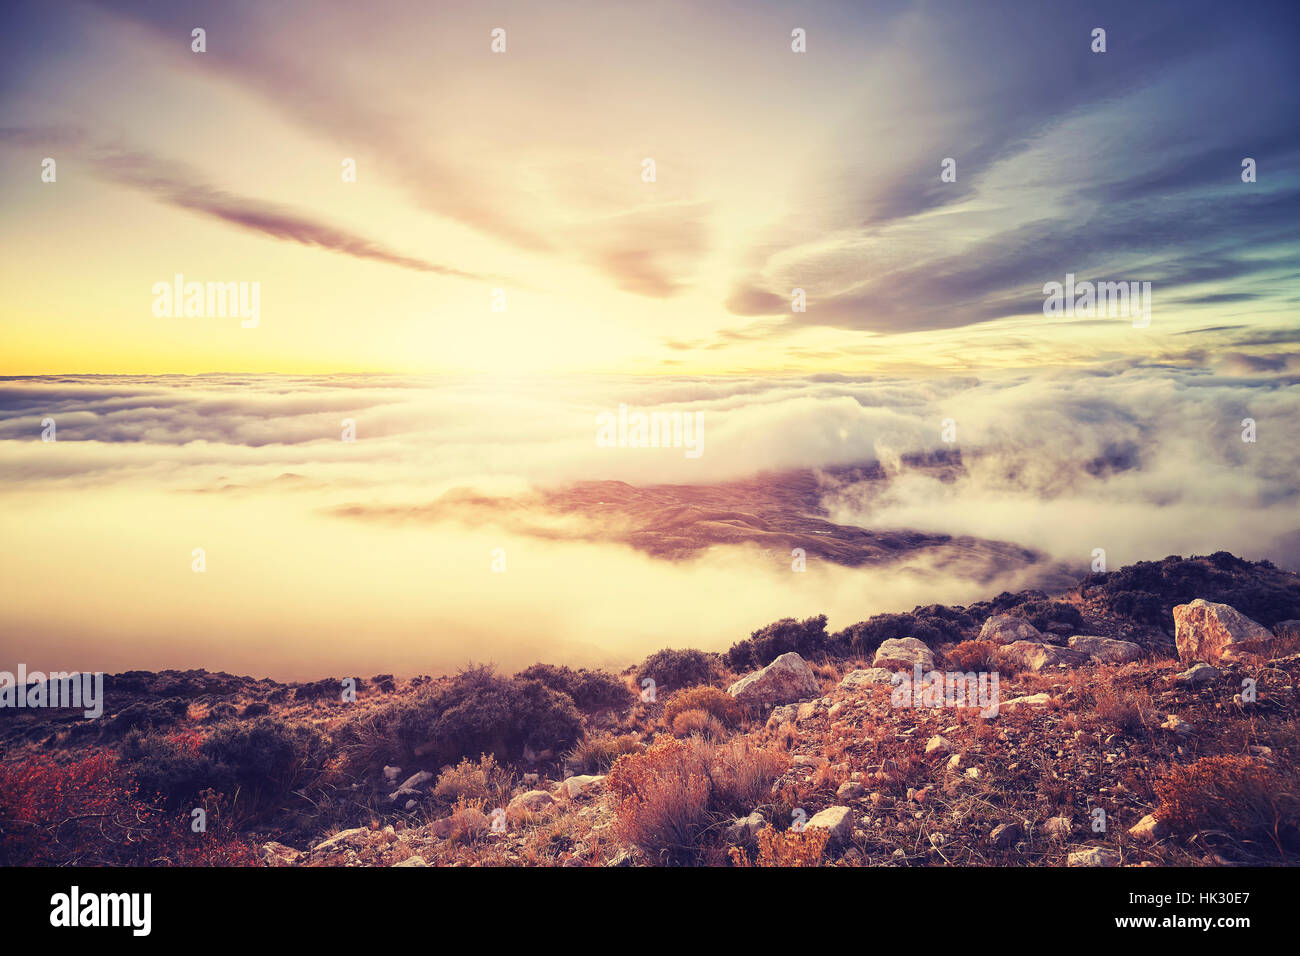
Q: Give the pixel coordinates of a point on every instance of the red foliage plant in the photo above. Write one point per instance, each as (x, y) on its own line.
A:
(87, 812)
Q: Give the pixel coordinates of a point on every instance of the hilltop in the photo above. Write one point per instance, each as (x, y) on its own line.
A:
(1126, 732)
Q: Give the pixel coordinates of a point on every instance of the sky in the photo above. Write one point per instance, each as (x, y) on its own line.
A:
(523, 171)
(503, 270)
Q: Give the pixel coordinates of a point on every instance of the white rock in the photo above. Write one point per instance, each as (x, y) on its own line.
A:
(1007, 629)
(390, 775)
(533, 801)
(904, 653)
(1093, 856)
(838, 820)
(580, 786)
(1205, 631)
(937, 745)
(1106, 650)
(355, 837)
(786, 679)
(866, 677)
(1149, 829)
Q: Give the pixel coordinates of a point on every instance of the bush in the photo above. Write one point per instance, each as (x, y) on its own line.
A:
(675, 669)
(711, 700)
(480, 780)
(785, 848)
(698, 723)
(1129, 714)
(1247, 798)
(589, 689)
(1043, 614)
(806, 638)
(674, 793)
(664, 801)
(974, 656)
(596, 753)
(865, 637)
(476, 712)
(256, 765)
(86, 812)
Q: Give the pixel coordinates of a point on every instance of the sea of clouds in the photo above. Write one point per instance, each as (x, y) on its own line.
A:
(100, 524)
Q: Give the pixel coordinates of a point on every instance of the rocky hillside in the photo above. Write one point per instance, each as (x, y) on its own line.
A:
(1143, 717)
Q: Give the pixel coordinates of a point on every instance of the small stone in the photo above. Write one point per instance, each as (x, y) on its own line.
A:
(851, 790)
(837, 820)
(1093, 856)
(1149, 829)
(1004, 836)
(937, 745)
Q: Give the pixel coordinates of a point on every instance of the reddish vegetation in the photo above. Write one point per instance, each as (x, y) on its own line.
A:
(86, 812)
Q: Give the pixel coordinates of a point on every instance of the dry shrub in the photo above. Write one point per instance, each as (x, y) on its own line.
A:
(1247, 799)
(671, 794)
(664, 795)
(711, 700)
(1125, 713)
(596, 753)
(698, 723)
(785, 848)
(974, 656)
(741, 775)
(482, 780)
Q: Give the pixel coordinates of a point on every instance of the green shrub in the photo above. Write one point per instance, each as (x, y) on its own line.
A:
(256, 764)
(589, 689)
(476, 712)
(806, 638)
(675, 669)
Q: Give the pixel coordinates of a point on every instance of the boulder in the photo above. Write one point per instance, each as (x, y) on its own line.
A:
(904, 653)
(786, 679)
(837, 820)
(415, 860)
(1106, 650)
(583, 785)
(1006, 629)
(1034, 656)
(1209, 632)
(866, 677)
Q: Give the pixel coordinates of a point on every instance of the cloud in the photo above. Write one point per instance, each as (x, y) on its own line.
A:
(178, 185)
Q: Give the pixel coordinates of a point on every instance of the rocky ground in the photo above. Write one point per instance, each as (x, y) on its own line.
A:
(1119, 737)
